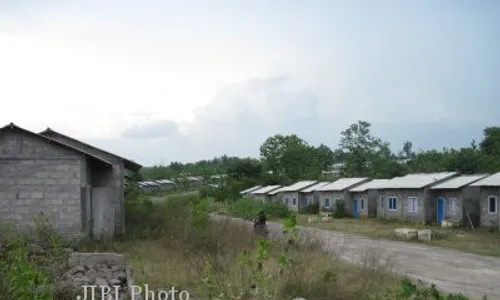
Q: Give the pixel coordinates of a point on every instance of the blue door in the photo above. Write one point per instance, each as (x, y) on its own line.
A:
(355, 208)
(440, 211)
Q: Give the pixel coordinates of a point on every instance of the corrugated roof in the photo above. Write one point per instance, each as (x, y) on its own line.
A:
(342, 184)
(417, 180)
(458, 182)
(370, 185)
(265, 190)
(298, 186)
(315, 187)
(492, 180)
(250, 189)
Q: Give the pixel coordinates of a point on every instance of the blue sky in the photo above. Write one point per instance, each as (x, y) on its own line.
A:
(159, 81)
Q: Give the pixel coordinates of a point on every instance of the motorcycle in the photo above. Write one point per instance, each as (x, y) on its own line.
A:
(260, 230)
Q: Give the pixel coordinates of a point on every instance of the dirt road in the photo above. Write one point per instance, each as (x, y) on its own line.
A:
(452, 271)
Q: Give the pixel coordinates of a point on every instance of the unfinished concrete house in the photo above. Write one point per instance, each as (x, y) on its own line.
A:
(338, 191)
(409, 197)
(101, 184)
(365, 198)
(262, 194)
(292, 195)
(77, 190)
(311, 193)
(456, 200)
(488, 200)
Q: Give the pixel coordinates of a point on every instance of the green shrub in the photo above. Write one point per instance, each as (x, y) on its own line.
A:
(340, 211)
(248, 209)
(310, 209)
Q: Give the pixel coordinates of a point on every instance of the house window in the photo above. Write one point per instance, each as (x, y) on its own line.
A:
(309, 201)
(294, 201)
(362, 204)
(327, 202)
(287, 201)
(393, 203)
(381, 201)
(412, 204)
(492, 204)
(452, 206)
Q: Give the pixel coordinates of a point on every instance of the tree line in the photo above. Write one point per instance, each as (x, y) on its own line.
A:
(285, 159)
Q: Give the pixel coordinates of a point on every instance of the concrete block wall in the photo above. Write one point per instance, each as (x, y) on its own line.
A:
(488, 219)
(37, 176)
(402, 204)
(116, 183)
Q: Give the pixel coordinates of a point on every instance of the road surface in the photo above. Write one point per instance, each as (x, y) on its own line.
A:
(452, 271)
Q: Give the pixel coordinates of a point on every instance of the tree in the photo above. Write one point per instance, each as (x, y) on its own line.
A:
(491, 141)
(362, 151)
(289, 158)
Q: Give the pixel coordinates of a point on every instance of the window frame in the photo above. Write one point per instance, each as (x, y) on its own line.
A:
(362, 203)
(325, 200)
(489, 204)
(415, 204)
(294, 201)
(381, 200)
(450, 206)
(395, 206)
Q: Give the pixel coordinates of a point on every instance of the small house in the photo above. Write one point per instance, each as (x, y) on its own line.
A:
(311, 193)
(78, 187)
(166, 184)
(247, 191)
(488, 200)
(456, 200)
(262, 194)
(408, 197)
(365, 197)
(292, 196)
(338, 191)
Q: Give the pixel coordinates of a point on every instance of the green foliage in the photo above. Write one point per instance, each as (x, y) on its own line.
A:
(248, 208)
(30, 264)
(289, 158)
(311, 209)
(339, 211)
(424, 292)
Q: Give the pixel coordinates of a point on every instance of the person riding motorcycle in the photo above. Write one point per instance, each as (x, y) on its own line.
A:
(260, 223)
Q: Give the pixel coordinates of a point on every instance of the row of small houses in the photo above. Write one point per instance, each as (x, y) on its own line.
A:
(428, 197)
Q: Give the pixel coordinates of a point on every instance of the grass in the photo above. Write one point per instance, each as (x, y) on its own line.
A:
(176, 241)
(481, 241)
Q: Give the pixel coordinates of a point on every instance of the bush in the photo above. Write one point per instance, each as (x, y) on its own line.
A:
(340, 211)
(248, 209)
(311, 209)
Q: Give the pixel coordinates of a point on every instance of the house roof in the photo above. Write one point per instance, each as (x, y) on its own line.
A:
(458, 182)
(417, 180)
(370, 185)
(164, 181)
(341, 184)
(265, 190)
(13, 127)
(128, 164)
(250, 189)
(298, 186)
(314, 187)
(492, 180)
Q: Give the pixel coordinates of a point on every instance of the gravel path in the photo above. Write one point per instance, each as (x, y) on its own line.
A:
(452, 271)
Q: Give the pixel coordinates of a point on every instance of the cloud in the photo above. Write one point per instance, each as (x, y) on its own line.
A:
(155, 130)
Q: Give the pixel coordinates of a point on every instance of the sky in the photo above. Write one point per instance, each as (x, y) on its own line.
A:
(161, 81)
